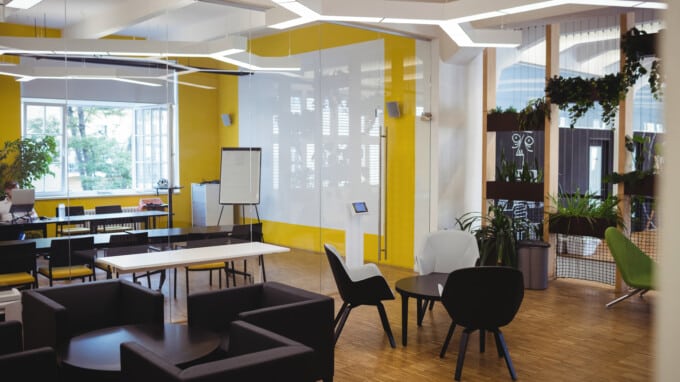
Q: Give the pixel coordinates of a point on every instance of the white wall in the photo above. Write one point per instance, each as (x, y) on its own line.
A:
(668, 306)
(460, 140)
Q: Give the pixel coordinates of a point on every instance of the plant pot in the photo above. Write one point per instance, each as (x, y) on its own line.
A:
(579, 226)
(532, 260)
(642, 187)
(502, 122)
(645, 44)
(515, 191)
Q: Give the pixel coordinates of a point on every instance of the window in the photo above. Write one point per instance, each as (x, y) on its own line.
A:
(104, 148)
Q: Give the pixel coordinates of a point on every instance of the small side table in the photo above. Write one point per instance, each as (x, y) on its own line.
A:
(424, 288)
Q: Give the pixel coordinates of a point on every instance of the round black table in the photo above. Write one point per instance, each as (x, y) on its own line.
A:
(424, 289)
(97, 353)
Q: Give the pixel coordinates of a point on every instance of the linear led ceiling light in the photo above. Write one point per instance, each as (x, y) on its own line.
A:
(22, 4)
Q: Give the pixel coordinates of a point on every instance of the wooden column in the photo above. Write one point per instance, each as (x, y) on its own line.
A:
(622, 158)
(488, 103)
(552, 135)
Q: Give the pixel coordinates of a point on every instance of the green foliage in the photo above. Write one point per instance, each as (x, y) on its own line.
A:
(639, 147)
(509, 171)
(532, 117)
(496, 234)
(500, 110)
(636, 45)
(26, 160)
(588, 206)
(577, 95)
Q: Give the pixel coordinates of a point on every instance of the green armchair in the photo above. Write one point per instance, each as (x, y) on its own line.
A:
(637, 269)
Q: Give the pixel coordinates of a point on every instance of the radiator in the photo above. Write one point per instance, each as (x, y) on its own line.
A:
(125, 209)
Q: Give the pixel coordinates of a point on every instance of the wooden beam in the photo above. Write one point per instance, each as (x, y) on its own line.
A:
(552, 138)
(488, 103)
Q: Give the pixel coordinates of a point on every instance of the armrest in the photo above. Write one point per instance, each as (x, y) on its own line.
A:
(215, 310)
(247, 338)
(31, 365)
(43, 320)
(138, 364)
(140, 304)
(10, 337)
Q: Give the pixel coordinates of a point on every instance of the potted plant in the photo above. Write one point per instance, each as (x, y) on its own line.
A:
(638, 181)
(515, 183)
(497, 235)
(499, 119)
(532, 117)
(584, 214)
(637, 44)
(26, 160)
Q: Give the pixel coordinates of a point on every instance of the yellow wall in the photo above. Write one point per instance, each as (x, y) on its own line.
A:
(199, 136)
(400, 87)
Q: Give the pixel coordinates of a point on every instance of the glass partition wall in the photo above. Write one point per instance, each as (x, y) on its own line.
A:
(338, 121)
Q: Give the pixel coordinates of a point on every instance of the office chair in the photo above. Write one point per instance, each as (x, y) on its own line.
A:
(72, 229)
(18, 266)
(637, 269)
(64, 264)
(363, 285)
(485, 299)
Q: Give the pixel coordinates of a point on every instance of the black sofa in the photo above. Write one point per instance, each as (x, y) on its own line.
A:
(30, 365)
(53, 315)
(300, 315)
(255, 354)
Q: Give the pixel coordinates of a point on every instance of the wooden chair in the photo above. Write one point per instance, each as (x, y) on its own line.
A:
(112, 226)
(18, 266)
(72, 229)
(64, 264)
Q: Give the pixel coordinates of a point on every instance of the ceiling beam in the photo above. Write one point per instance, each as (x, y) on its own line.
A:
(125, 13)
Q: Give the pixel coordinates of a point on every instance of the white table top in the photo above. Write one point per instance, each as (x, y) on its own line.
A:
(188, 256)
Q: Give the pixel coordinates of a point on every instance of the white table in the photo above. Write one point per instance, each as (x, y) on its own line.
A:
(153, 261)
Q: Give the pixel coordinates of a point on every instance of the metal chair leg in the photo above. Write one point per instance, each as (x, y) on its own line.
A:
(625, 296)
(447, 340)
(386, 325)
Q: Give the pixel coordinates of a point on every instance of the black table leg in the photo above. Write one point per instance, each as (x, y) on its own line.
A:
(404, 319)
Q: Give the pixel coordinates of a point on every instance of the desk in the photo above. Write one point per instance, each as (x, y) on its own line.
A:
(97, 353)
(159, 235)
(423, 288)
(11, 230)
(43, 244)
(189, 256)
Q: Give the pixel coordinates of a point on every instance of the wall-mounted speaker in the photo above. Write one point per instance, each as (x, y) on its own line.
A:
(226, 119)
(393, 109)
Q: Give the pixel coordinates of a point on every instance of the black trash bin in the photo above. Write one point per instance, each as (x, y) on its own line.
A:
(533, 262)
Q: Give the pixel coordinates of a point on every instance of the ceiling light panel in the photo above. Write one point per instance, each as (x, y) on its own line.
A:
(22, 4)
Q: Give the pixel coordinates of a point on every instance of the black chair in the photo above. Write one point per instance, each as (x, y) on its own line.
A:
(111, 226)
(255, 354)
(72, 229)
(485, 299)
(195, 240)
(129, 243)
(364, 285)
(38, 364)
(303, 316)
(64, 264)
(247, 232)
(18, 266)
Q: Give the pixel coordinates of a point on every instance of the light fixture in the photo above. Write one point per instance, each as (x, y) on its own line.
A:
(22, 4)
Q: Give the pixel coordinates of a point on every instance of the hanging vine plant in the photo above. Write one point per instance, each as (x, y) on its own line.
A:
(577, 95)
(636, 45)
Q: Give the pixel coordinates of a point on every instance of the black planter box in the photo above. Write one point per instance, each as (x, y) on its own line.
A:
(642, 187)
(515, 191)
(502, 122)
(579, 227)
(646, 44)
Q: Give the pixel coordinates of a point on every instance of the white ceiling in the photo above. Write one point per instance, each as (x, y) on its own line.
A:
(214, 20)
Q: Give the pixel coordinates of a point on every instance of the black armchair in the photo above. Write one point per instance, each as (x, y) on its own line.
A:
(300, 315)
(363, 285)
(484, 299)
(31, 365)
(54, 315)
(255, 354)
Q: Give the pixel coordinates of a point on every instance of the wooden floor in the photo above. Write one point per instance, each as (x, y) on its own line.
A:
(563, 333)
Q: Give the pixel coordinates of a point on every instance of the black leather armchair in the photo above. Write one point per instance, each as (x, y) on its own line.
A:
(54, 315)
(31, 365)
(255, 354)
(300, 315)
